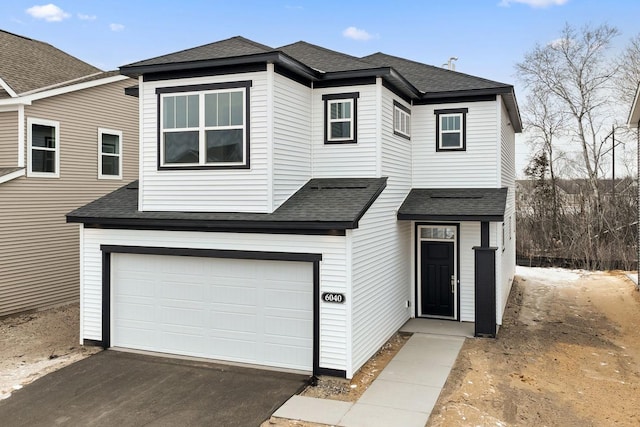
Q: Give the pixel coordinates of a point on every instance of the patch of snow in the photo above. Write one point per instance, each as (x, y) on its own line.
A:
(549, 274)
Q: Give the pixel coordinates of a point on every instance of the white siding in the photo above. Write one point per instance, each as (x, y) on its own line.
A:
(346, 160)
(381, 250)
(233, 190)
(475, 167)
(505, 274)
(333, 341)
(469, 237)
(291, 138)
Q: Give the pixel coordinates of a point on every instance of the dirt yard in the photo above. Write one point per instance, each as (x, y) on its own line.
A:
(34, 344)
(568, 354)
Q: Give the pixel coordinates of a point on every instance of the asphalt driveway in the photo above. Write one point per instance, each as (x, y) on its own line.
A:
(124, 389)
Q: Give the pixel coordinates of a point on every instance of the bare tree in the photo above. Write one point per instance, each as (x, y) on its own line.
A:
(545, 122)
(629, 75)
(576, 73)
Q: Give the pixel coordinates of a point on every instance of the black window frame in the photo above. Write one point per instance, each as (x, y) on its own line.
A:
(399, 106)
(449, 111)
(245, 84)
(341, 96)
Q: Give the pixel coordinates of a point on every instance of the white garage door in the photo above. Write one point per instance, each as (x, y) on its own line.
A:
(250, 311)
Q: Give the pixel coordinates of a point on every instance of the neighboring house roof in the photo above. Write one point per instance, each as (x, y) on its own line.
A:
(454, 204)
(416, 81)
(28, 64)
(321, 204)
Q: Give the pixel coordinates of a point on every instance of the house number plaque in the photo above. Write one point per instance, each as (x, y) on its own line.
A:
(333, 297)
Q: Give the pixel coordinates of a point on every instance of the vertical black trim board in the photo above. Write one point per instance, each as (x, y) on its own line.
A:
(246, 84)
(315, 259)
(332, 96)
(462, 111)
(106, 299)
(484, 234)
(416, 242)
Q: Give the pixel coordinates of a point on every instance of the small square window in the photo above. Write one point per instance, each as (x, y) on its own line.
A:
(43, 151)
(401, 120)
(451, 129)
(340, 118)
(109, 154)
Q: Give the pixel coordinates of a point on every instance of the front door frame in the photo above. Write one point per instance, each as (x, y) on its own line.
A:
(418, 267)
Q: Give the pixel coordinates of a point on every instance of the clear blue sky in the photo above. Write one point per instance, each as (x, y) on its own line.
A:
(488, 36)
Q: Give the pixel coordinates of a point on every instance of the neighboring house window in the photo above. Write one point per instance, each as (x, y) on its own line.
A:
(43, 150)
(401, 120)
(109, 154)
(204, 126)
(451, 129)
(340, 118)
(503, 238)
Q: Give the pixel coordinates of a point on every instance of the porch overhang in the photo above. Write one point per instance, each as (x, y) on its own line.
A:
(454, 204)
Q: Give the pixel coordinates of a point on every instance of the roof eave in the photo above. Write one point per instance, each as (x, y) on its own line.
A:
(452, 217)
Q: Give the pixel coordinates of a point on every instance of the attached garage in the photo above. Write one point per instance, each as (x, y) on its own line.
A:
(205, 303)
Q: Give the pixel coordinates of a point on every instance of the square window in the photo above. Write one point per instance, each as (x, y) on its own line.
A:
(109, 154)
(43, 148)
(340, 118)
(451, 129)
(207, 128)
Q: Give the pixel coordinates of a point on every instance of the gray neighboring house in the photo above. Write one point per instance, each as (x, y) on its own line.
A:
(296, 206)
(68, 134)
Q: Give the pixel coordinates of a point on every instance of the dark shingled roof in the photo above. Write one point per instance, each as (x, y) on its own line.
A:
(228, 48)
(323, 59)
(428, 78)
(29, 64)
(321, 204)
(454, 204)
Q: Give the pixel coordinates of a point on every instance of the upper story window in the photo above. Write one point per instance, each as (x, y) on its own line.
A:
(109, 154)
(340, 117)
(401, 120)
(204, 126)
(451, 129)
(43, 151)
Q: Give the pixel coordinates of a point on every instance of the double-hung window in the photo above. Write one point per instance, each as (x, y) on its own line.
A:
(401, 120)
(109, 154)
(340, 113)
(451, 129)
(204, 126)
(43, 151)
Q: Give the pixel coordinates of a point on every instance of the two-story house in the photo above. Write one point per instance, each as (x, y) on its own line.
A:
(68, 134)
(296, 206)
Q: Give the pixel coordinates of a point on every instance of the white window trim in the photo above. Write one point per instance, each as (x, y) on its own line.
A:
(201, 129)
(102, 131)
(43, 122)
(398, 114)
(330, 121)
(443, 132)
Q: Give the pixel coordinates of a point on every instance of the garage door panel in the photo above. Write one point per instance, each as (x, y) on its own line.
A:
(251, 311)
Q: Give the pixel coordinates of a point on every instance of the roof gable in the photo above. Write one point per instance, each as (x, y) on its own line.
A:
(228, 48)
(28, 64)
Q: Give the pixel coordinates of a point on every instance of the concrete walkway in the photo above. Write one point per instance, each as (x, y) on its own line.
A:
(406, 390)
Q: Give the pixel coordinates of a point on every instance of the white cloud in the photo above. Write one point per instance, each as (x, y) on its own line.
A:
(49, 12)
(116, 27)
(356, 34)
(533, 3)
(84, 17)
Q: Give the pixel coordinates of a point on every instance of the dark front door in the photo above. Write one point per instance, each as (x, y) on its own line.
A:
(437, 279)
